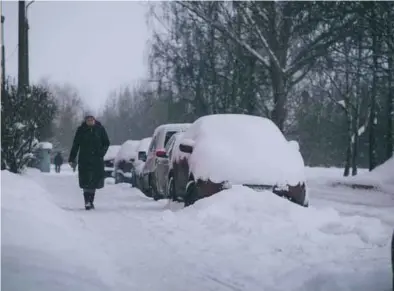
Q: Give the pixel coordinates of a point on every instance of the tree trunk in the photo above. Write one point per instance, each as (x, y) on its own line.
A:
(348, 158)
(354, 141)
(390, 109)
(372, 116)
(278, 89)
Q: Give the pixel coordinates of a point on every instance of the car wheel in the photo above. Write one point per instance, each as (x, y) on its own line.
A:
(118, 178)
(152, 188)
(191, 194)
(155, 193)
(171, 190)
(133, 179)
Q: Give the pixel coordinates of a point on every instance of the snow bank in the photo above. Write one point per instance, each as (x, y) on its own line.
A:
(112, 152)
(382, 177)
(42, 244)
(272, 244)
(261, 215)
(242, 149)
(128, 151)
(45, 145)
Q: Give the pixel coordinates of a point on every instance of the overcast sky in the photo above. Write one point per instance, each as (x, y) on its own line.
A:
(95, 46)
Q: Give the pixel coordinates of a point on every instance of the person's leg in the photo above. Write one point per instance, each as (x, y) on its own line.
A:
(92, 194)
(89, 197)
(86, 198)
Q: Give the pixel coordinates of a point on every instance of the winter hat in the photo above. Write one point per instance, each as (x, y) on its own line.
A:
(89, 114)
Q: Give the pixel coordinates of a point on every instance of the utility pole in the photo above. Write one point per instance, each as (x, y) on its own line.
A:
(22, 66)
(2, 55)
(27, 43)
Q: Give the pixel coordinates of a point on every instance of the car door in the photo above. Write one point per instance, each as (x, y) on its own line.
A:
(150, 160)
(162, 167)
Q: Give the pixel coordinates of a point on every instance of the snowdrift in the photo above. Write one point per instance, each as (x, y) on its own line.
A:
(238, 239)
(41, 244)
(277, 220)
(288, 247)
(381, 178)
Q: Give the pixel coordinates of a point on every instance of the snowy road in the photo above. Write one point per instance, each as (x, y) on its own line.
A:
(238, 240)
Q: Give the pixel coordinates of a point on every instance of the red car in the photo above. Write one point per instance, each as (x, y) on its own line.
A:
(221, 150)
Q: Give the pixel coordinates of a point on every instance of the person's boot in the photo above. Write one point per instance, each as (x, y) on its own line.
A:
(92, 199)
(86, 197)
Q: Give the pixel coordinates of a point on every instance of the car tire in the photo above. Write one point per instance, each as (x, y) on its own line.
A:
(145, 185)
(118, 178)
(133, 180)
(171, 190)
(152, 188)
(191, 194)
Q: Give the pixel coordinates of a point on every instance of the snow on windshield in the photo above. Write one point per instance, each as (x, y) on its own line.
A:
(242, 149)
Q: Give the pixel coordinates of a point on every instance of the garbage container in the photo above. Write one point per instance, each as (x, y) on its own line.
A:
(44, 156)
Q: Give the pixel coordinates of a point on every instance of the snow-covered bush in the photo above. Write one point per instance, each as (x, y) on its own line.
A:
(23, 117)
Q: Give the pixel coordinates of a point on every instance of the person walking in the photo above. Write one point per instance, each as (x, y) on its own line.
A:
(91, 140)
(58, 162)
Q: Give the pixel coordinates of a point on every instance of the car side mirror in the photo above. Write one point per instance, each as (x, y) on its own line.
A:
(142, 156)
(185, 148)
(161, 154)
(295, 145)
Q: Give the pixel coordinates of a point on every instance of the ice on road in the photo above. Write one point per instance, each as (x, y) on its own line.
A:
(236, 240)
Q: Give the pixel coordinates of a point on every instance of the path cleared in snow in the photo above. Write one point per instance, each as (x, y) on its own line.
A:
(236, 240)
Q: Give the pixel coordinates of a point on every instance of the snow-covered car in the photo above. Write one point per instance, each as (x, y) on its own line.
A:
(109, 160)
(141, 159)
(163, 168)
(156, 152)
(221, 150)
(124, 161)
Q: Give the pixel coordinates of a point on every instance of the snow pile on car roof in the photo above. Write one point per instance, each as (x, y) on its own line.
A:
(128, 150)
(112, 152)
(173, 127)
(144, 144)
(242, 149)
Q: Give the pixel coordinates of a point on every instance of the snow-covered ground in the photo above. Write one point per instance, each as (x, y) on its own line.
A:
(236, 240)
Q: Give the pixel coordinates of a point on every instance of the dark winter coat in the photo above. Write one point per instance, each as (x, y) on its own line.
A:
(92, 143)
(58, 160)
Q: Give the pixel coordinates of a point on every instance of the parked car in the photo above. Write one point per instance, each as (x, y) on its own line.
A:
(163, 168)
(124, 162)
(221, 150)
(109, 160)
(141, 159)
(156, 153)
